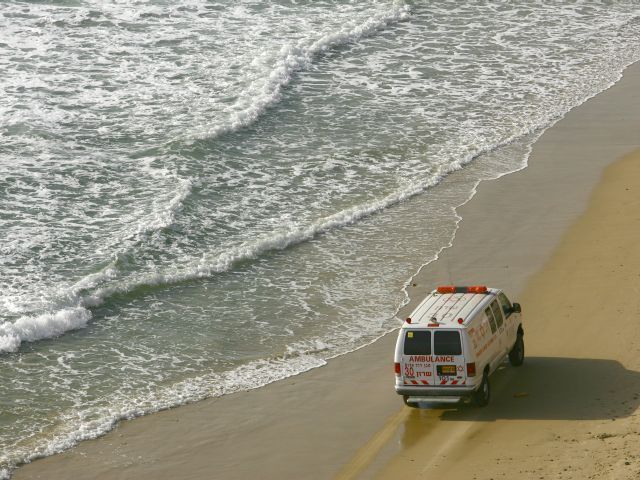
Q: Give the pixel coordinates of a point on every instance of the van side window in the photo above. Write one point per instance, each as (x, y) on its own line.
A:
(446, 343)
(492, 322)
(417, 342)
(506, 304)
(496, 313)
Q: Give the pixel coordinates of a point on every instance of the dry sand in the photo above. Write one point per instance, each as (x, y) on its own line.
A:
(553, 418)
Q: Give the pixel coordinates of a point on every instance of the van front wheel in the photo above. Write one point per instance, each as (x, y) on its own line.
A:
(516, 355)
(482, 395)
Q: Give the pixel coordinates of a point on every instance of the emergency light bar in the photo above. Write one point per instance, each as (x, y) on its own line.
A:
(454, 289)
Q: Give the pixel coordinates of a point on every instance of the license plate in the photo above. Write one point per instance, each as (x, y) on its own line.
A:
(446, 370)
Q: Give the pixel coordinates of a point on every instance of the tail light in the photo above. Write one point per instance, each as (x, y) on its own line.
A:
(471, 369)
(397, 369)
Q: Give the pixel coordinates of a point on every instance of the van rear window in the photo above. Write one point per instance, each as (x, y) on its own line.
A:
(417, 342)
(446, 343)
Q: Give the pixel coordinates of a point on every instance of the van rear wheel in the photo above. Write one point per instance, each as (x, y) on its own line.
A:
(405, 399)
(516, 355)
(482, 395)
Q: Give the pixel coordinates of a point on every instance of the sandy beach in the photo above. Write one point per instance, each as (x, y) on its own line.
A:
(572, 411)
(560, 237)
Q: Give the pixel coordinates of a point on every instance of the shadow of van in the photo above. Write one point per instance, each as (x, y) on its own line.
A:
(552, 388)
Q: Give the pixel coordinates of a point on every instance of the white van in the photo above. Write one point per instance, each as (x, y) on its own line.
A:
(453, 341)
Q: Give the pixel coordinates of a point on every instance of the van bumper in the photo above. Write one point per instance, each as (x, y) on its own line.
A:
(456, 392)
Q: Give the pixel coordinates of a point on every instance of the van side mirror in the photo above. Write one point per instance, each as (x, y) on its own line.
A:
(516, 308)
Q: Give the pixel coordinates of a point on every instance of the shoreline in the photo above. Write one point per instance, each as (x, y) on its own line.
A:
(328, 421)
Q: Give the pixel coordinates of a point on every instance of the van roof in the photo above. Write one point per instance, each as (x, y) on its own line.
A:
(446, 308)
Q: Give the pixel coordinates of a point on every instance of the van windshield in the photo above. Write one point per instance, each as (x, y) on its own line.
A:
(417, 342)
(506, 304)
(447, 343)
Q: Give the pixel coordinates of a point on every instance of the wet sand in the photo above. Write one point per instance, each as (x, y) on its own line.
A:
(572, 406)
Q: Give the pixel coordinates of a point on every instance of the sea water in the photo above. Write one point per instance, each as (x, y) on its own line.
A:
(200, 197)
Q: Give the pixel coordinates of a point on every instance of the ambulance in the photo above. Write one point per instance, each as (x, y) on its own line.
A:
(453, 341)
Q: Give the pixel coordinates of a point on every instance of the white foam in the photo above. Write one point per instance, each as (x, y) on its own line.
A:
(69, 306)
(30, 328)
(92, 422)
(47, 325)
(163, 213)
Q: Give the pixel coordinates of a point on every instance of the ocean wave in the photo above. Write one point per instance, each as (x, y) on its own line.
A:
(93, 290)
(92, 422)
(164, 211)
(39, 327)
(278, 70)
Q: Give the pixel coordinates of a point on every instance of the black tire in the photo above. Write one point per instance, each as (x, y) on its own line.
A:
(405, 399)
(516, 355)
(482, 395)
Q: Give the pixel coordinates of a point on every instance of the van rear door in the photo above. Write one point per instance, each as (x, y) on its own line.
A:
(448, 359)
(416, 367)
